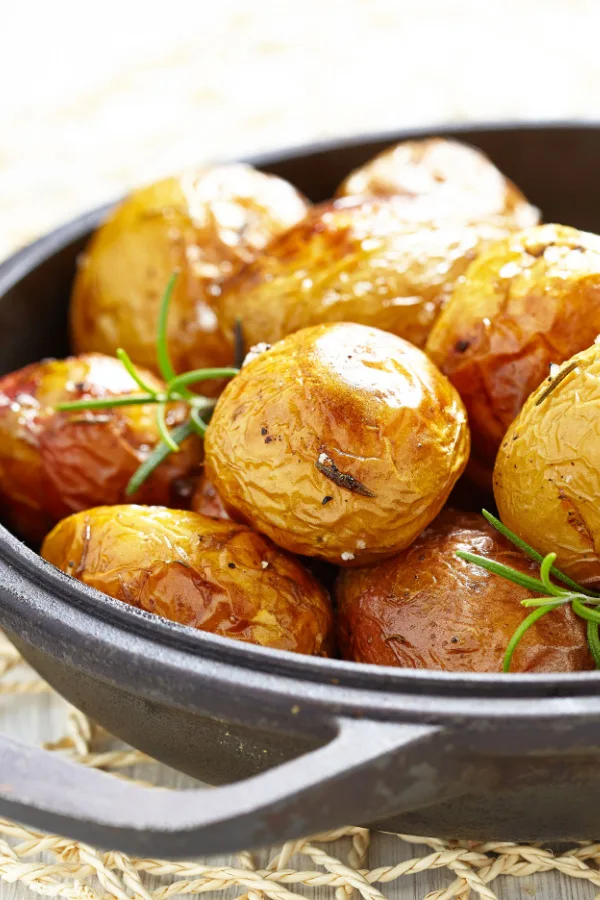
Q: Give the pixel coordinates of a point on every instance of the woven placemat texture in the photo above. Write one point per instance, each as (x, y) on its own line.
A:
(57, 867)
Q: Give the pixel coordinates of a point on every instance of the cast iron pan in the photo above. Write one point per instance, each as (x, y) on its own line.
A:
(297, 744)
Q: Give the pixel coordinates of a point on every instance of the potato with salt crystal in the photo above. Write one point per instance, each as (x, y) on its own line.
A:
(528, 301)
(54, 463)
(352, 262)
(340, 442)
(204, 223)
(438, 178)
(427, 609)
(214, 576)
(547, 475)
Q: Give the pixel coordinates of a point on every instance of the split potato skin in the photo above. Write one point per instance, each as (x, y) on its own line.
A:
(214, 576)
(427, 609)
(437, 178)
(352, 262)
(340, 442)
(204, 223)
(528, 301)
(547, 474)
(55, 463)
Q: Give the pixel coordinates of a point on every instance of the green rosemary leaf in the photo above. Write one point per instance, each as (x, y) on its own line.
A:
(124, 357)
(579, 607)
(198, 422)
(197, 375)
(162, 349)
(158, 455)
(109, 402)
(593, 639)
(521, 631)
(545, 570)
(526, 581)
(546, 601)
(533, 554)
(164, 432)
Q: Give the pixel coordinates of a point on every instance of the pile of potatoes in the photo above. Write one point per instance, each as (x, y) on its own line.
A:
(412, 344)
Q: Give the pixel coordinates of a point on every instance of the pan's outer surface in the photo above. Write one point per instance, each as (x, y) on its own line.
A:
(309, 743)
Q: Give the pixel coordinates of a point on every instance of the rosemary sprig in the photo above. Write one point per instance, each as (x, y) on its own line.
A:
(579, 597)
(176, 390)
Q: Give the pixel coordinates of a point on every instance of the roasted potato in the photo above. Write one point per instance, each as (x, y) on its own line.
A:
(55, 463)
(215, 576)
(547, 475)
(205, 223)
(427, 609)
(206, 501)
(340, 442)
(528, 301)
(356, 262)
(437, 178)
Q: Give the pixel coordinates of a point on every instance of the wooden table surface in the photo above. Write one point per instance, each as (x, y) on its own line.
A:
(96, 99)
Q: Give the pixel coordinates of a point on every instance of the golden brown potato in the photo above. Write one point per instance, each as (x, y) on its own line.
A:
(215, 576)
(547, 475)
(205, 223)
(341, 442)
(530, 300)
(356, 262)
(438, 178)
(206, 501)
(55, 463)
(427, 609)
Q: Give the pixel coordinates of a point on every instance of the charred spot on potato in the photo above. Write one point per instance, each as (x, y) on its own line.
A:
(461, 346)
(264, 431)
(328, 468)
(231, 565)
(268, 439)
(326, 500)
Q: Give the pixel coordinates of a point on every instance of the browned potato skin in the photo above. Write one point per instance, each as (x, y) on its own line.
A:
(352, 262)
(55, 463)
(528, 301)
(427, 609)
(436, 178)
(340, 395)
(206, 500)
(214, 576)
(547, 475)
(204, 223)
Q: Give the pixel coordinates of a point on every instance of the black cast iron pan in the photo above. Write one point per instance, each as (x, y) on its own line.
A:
(297, 744)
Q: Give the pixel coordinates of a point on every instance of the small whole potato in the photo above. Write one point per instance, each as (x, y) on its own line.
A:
(528, 301)
(340, 442)
(437, 178)
(204, 223)
(547, 475)
(55, 463)
(214, 576)
(352, 262)
(427, 609)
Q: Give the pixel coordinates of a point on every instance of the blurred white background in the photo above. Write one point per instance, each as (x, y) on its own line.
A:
(97, 97)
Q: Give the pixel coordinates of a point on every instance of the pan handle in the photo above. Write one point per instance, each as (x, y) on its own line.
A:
(368, 771)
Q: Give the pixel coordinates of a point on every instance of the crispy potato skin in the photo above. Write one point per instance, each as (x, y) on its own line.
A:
(547, 474)
(352, 262)
(528, 301)
(340, 442)
(204, 223)
(436, 178)
(215, 576)
(205, 500)
(55, 463)
(427, 609)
